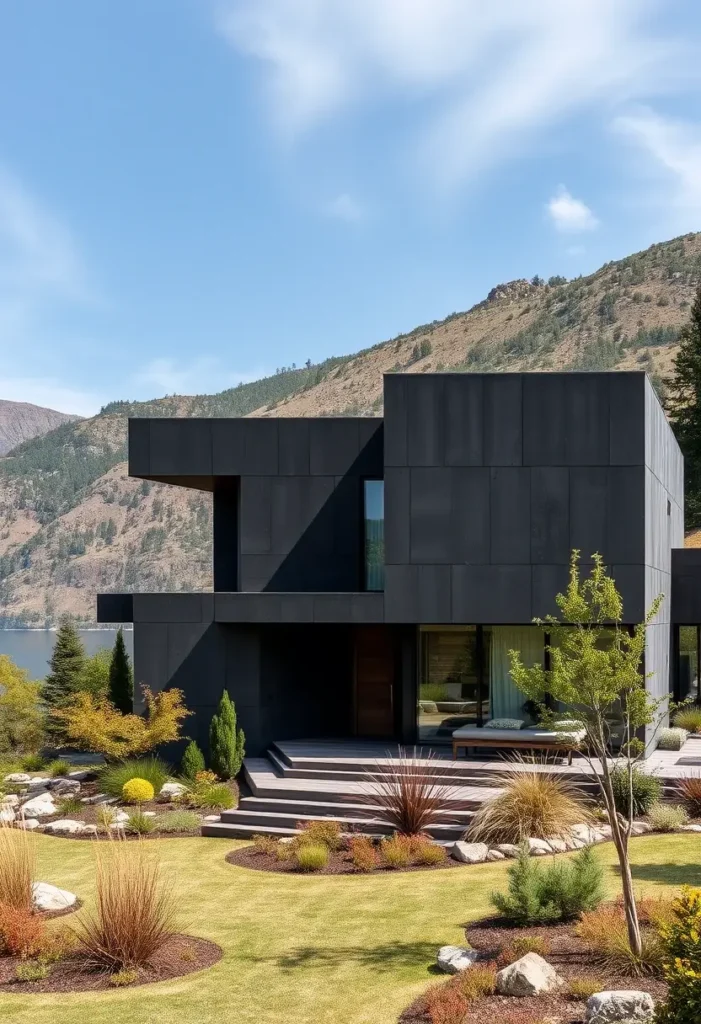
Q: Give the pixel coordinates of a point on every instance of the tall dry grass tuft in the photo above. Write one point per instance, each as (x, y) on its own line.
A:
(17, 867)
(408, 792)
(532, 805)
(135, 910)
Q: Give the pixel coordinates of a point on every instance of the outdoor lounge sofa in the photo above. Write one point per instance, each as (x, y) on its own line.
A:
(532, 738)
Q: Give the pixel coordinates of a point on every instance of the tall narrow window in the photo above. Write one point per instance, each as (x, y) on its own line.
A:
(374, 529)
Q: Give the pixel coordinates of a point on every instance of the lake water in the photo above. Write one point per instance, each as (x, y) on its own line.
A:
(31, 648)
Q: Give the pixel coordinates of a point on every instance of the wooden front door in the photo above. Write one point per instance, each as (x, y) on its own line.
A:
(374, 682)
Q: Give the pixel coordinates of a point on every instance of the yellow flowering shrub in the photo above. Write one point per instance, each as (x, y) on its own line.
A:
(682, 964)
(137, 791)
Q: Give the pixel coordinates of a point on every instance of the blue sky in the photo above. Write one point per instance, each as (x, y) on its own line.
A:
(193, 193)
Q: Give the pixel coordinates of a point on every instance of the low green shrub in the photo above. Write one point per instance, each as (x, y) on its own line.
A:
(681, 942)
(140, 824)
(120, 979)
(582, 989)
(396, 852)
(113, 776)
(137, 791)
(364, 854)
(667, 817)
(689, 718)
(70, 805)
(58, 768)
(192, 761)
(311, 858)
(559, 892)
(32, 970)
(267, 845)
(178, 821)
(321, 833)
(32, 763)
(217, 797)
(672, 739)
(647, 790)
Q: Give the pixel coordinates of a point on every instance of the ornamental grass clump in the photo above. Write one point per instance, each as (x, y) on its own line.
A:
(689, 792)
(177, 821)
(689, 718)
(532, 805)
(113, 776)
(311, 857)
(17, 868)
(135, 909)
(140, 824)
(409, 793)
(559, 892)
(396, 852)
(672, 739)
(605, 932)
(137, 791)
(59, 768)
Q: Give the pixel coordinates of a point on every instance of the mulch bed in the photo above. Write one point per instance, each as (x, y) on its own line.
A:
(181, 955)
(340, 863)
(570, 957)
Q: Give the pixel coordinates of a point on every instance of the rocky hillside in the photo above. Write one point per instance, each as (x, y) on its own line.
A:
(20, 421)
(72, 523)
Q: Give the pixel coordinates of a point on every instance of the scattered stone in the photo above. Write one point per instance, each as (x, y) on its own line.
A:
(50, 897)
(539, 847)
(641, 828)
(470, 853)
(585, 833)
(117, 826)
(558, 845)
(605, 831)
(529, 976)
(149, 814)
(212, 817)
(689, 828)
(65, 827)
(576, 844)
(79, 776)
(119, 816)
(630, 1006)
(496, 855)
(169, 790)
(7, 815)
(453, 959)
(11, 800)
(65, 787)
(89, 830)
(39, 806)
(99, 798)
(508, 849)
(29, 824)
(18, 778)
(38, 783)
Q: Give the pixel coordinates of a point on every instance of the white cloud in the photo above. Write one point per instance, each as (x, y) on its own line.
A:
(52, 393)
(344, 207)
(569, 214)
(483, 77)
(164, 376)
(674, 149)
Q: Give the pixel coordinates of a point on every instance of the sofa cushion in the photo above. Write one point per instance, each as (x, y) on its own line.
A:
(520, 736)
(504, 723)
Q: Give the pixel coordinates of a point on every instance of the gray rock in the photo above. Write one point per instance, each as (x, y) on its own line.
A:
(641, 828)
(7, 815)
(469, 853)
(585, 833)
(118, 815)
(79, 776)
(496, 855)
(11, 800)
(169, 790)
(689, 828)
(631, 1006)
(453, 959)
(539, 847)
(149, 814)
(558, 845)
(37, 783)
(40, 806)
(528, 976)
(18, 778)
(29, 824)
(212, 817)
(65, 787)
(50, 897)
(99, 798)
(508, 849)
(65, 827)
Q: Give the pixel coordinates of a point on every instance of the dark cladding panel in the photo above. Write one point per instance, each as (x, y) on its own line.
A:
(548, 581)
(510, 529)
(626, 515)
(550, 514)
(397, 514)
(630, 581)
(115, 608)
(225, 533)
(470, 514)
(402, 593)
(431, 541)
(334, 445)
(686, 586)
(260, 447)
(503, 420)
(434, 601)
(293, 447)
(139, 447)
(172, 607)
(255, 519)
(150, 659)
(425, 433)
(627, 419)
(588, 434)
(589, 510)
(181, 447)
(491, 593)
(463, 413)
(227, 446)
(544, 419)
(396, 413)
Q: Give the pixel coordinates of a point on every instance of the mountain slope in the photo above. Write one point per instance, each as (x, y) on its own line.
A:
(73, 523)
(20, 421)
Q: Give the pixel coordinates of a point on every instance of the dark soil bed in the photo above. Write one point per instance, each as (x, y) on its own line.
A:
(340, 863)
(181, 955)
(570, 957)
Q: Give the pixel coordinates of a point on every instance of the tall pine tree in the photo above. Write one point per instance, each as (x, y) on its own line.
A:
(66, 666)
(121, 686)
(226, 741)
(683, 405)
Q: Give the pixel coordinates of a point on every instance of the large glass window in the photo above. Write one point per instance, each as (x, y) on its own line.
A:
(688, 666)
(374, 532)
(453, 685)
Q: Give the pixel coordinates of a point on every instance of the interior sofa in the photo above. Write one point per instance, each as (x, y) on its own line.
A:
(531, 738)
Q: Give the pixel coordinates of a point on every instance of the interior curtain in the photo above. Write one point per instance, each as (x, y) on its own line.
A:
(506, 700)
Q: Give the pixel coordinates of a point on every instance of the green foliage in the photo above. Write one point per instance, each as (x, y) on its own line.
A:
(672, 739)
(120, 979)
(683, 405)
(311, 858)
(192, 761)
(559, 892)
(682, 961)
(32, 970)
(178, 821)
(137, 791)
(33, 762)
(667, 817)
(58, 768)
(688, 717)
(647, 790)
(140, 824)
(95, 675)
(22, 720)
(68, 805)
(66, 667)
(321, 833)
(217, 797)
(226, 740)
(120, 677)
(114, 776)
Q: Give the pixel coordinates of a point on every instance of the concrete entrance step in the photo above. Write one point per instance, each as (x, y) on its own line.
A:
(305, 809)
(233, 826)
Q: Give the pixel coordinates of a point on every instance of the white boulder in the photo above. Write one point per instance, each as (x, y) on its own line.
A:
(641, 828)
(18, 778)
(98, 798)
(40, 806)
(494, 855)
(630, 1006)
(528, 976)
(65, 827)
(50, 897)
(29, 824)
(11, 800)
(539, 847)
(690, 828)
(469, 853)
(558, 845)
(453, 959)
(37, 783)
(7, 815)
(170, 790)
(508, 849)
(119, 816)
(65, 787)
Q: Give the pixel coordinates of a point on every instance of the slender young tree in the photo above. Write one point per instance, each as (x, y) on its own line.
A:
(226, 741)
(66, 666)
(683, 406)
(121, 684)
(595, 673)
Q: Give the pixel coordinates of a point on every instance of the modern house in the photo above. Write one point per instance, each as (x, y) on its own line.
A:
(371, 574)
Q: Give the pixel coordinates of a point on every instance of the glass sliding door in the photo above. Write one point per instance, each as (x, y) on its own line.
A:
(688, 663)
(453, 683)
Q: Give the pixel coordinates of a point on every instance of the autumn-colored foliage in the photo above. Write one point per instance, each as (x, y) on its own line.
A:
(91, 722)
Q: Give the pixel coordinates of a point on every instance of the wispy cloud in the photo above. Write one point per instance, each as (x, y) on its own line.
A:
(344, 207)
(165, 376)
(52, 393)
(483, 77)
(569, 214)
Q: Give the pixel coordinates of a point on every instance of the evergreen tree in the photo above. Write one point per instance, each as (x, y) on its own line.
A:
(193, 761)
(683, 404)
(226, 741)
(121, 686)
(67, 666)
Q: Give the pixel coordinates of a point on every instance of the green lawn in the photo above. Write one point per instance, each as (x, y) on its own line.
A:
(300, 949)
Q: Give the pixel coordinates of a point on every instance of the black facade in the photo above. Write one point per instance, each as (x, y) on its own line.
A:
(490, 480)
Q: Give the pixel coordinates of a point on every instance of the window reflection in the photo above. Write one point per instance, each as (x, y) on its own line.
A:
(374, 534)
